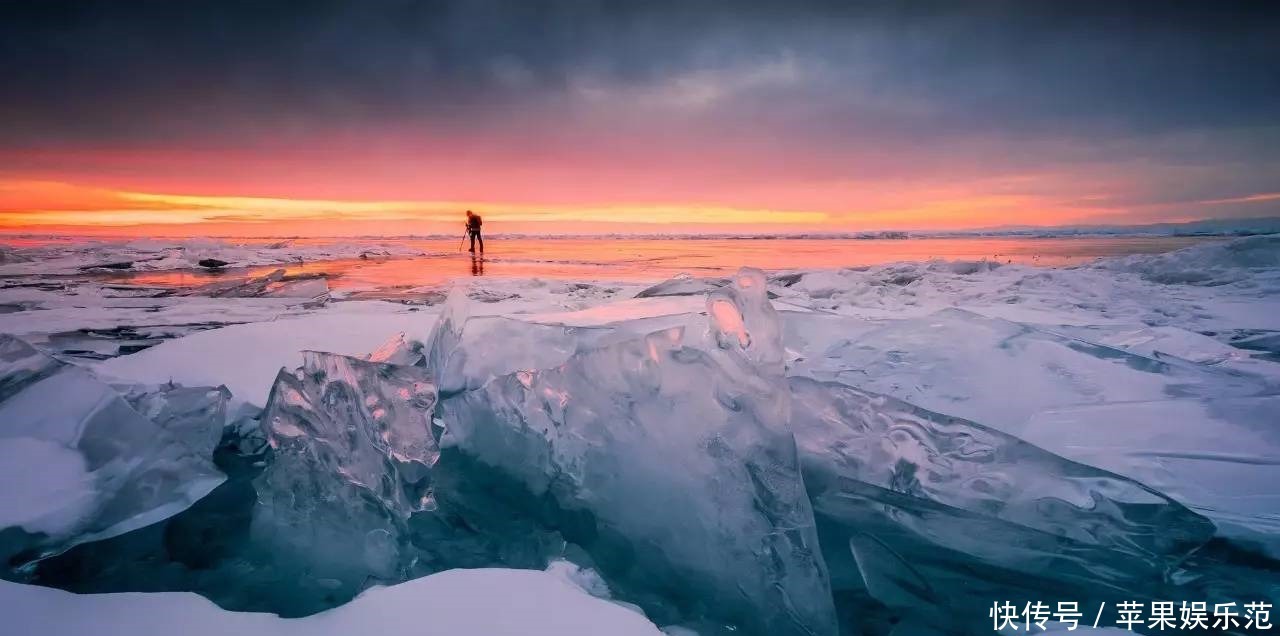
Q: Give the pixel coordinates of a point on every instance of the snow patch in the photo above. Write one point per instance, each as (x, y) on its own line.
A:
(492, 602)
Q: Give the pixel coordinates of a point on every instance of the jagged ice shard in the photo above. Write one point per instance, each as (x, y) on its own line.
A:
(668, 459)
(352, 454)
(195, 414)
(889, 479)
(90, 465)
(466, 352)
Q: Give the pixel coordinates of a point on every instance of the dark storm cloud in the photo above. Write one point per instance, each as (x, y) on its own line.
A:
(125, 70)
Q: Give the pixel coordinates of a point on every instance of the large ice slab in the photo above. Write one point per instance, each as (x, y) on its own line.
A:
(902, 493)
(669, 460)
(111, 469)
(353, 452)
(466, 352)
(493, 346)
(196, 415)
(1221, 457)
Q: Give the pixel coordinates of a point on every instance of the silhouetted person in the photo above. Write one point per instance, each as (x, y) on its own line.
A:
(473, 230)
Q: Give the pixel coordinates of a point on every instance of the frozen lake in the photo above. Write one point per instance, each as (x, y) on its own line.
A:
(911, 428)
(418, 262)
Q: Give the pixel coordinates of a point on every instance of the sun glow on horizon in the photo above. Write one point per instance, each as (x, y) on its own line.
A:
(34, 204)
(46, 205)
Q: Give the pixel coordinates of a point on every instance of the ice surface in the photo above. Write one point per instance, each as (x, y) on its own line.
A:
(846, 434)
(924, 500)
(687, 285)
(160, 254)
(195, 415)
(466, 352)
(1228, 356)
(669, 460)
(628, 310)
(1156, 342)
(246, 358)
(275, 284)
(493, 346)
(1109, 292)
(1253, 261)
(238, 288)
(353, 452)
(52, 498)
(398, 350)
(491, 602)
(446, 337)
(683, 285)
(1000, 372)
(1219, 456)
(127, 471)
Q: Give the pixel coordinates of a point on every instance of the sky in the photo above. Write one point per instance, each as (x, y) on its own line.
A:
(391, 117)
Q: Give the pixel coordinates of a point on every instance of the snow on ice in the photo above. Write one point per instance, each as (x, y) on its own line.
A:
(493, 602)
(69, 257)
(112, 469)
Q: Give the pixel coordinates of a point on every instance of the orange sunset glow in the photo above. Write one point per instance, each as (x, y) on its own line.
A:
(50, 206)
(633, 120)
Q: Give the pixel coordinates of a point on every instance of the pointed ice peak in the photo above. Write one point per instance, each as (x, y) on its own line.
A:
(447, 333)
(743, 319)
(398, 350)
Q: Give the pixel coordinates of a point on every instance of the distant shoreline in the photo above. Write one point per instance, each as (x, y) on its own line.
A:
(805, 236)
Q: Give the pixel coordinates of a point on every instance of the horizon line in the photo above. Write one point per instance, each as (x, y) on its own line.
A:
(1225, 227)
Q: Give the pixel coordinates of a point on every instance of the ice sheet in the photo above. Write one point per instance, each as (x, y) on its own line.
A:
(1000, 373)
(130, 472)
(247, 357)
(160, 254)
(1220, 456)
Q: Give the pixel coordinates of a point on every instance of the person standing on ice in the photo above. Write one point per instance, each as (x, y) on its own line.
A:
(473, 230)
